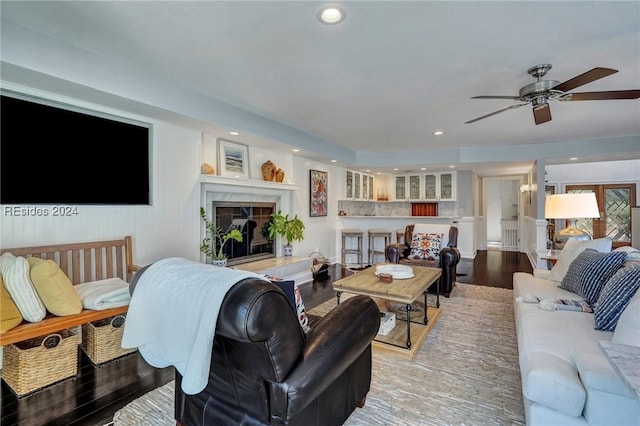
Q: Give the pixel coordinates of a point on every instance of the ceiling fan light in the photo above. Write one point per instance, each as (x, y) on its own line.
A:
(539, 103)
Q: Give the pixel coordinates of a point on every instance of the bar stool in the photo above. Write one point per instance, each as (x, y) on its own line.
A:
(352, 233)
(400, 236)
(378, 233)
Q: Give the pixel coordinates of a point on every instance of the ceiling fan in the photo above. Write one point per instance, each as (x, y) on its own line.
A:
(539, 94)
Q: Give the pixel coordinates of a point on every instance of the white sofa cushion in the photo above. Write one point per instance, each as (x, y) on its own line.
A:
(553, 381)
(571, 250)
(627, 330)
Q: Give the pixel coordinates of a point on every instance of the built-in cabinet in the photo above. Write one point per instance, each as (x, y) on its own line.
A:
(407, 187)
(358, 186)
(440, 186)
(436, 186)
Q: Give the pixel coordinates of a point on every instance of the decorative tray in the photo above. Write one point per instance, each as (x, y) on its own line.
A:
(398, 272)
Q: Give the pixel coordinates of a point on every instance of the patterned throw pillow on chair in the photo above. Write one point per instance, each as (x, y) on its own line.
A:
(425, 246)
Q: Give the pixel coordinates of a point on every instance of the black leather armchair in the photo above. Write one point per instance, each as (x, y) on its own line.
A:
(449, 258)
(265, 370)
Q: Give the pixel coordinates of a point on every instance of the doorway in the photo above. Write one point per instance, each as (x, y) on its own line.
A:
(614, 202)
(501, 212)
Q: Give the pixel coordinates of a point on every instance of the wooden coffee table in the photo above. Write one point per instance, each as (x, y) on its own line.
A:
(403, 291)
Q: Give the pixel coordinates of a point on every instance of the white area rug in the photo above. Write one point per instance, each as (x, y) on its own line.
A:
(466, 373)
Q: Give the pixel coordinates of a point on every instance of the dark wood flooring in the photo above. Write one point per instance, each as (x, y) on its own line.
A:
(96, 393)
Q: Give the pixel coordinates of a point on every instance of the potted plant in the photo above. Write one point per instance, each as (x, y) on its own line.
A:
(289, 229)
(213, 244)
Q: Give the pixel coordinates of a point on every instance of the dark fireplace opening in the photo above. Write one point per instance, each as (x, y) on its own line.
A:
(251, 218)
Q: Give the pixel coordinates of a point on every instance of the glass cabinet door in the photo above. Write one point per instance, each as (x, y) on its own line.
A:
(370, 187)
(349, 186)
(430, 187)
(365, 187)
(414, 187)
(356, 185)
(400, 188)
(447, 186)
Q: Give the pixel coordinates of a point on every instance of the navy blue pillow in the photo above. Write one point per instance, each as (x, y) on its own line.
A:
(288, 287)
(615, 297)
(590, 271)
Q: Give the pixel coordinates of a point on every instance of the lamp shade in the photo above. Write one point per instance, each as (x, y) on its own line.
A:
(571, 206)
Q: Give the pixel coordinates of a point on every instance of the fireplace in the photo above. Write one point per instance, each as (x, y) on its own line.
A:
(243, 200)
(250, 218)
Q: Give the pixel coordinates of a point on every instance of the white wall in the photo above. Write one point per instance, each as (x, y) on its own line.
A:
(320, 232)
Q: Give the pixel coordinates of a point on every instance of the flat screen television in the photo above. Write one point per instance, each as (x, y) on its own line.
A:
(55, 154)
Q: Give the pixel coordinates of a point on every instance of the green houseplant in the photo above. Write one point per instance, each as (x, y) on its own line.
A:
(213, 244)
(290, 229)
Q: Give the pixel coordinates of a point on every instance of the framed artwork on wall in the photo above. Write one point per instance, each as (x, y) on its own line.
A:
(233, 159)
(318, 193)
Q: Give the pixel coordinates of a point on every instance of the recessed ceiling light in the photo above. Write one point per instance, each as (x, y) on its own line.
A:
(334, 161)
(423, 168)
(331, 14)
(452, 167)
(438, 133)
(234, 133)
(395, 169)
(573, 158)
(295, 150)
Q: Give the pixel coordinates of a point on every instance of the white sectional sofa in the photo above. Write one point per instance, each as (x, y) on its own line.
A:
(566, 378)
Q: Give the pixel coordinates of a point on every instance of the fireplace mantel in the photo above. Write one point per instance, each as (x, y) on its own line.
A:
(247, 183)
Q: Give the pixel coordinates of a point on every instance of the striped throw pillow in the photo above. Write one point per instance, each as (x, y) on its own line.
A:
(615, 297)
(590, 271)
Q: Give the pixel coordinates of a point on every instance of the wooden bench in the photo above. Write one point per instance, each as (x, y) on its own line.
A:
(82, 262)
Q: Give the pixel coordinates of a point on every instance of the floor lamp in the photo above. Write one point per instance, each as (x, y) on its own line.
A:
(571, 207)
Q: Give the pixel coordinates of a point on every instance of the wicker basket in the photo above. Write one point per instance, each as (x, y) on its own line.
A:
(35, 363)
(101, 339)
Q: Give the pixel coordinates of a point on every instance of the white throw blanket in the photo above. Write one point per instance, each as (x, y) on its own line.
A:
(173, 314)
(103, 294)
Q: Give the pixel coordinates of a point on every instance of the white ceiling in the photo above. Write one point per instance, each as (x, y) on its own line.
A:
(386, 78)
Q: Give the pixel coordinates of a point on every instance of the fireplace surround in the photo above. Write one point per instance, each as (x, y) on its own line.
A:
(221, 192)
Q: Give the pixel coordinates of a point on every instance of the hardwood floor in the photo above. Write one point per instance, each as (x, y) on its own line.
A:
(492, 268)
(91, 398)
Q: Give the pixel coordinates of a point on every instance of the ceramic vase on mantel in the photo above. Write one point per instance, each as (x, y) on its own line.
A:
(269, 171)
(279, 175)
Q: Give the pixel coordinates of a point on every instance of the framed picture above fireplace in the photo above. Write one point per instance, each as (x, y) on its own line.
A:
(233, 159)
(318, 193)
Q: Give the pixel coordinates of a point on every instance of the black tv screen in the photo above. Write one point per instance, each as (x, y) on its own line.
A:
(53, 154)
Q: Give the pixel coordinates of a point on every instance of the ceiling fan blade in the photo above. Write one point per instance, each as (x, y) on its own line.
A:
(515, 98)
(603, 96)
(587, 77)
(496, 112)
(541, 113)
